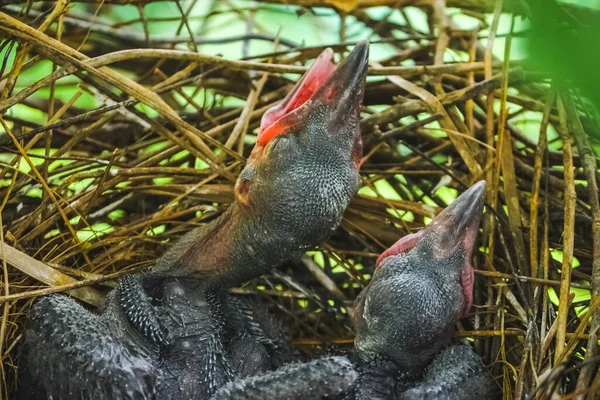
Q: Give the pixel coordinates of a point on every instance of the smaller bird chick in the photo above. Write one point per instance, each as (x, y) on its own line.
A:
(422, 285)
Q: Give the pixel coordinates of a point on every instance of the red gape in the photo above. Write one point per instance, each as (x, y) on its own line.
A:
(467, 278)
(271, 123)
(404, 245)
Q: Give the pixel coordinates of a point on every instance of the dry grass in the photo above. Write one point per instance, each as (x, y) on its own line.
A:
(97, 192)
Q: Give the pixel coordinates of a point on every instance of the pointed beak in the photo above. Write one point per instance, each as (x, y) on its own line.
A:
(459, 223)
(344, 90)
(341, 89)
(454, 227)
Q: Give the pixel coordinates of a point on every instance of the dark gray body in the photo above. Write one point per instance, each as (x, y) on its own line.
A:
(456, 373)
(122, 352)
(194, 363)
(71, 353)
(207, 341)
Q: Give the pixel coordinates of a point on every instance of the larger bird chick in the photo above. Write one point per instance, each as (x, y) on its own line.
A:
(163, 334)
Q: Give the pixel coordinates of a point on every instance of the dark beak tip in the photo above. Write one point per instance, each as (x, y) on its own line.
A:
(353, 69)
(471, 199)
(361, 55)
(345, 87)
(467, 210)
(463, 215)
(362, 49)
(478, 190)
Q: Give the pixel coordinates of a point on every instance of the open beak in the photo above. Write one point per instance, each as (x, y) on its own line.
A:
(304, 89)
(454, 227)
(340, 88)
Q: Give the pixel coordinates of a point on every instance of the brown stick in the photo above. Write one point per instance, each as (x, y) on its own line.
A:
(44, 273)
(65, 56)
(568, 238)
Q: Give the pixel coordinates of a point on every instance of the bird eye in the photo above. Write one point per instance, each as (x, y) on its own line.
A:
(275, 142)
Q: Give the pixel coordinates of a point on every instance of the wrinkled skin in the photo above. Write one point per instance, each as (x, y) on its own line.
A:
(422, 286)
(173, 332)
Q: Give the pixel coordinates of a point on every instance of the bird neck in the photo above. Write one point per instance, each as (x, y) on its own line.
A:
(232, 249)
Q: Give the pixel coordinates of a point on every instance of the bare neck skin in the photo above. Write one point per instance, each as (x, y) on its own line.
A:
(230, 250)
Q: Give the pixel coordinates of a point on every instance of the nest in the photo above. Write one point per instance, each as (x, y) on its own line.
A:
(126, 140)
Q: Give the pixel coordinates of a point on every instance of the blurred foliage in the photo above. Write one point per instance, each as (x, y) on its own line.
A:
(564, 43)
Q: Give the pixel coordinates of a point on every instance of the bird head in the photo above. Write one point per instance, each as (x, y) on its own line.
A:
(303, 170)
(295, 186)
(422, 285)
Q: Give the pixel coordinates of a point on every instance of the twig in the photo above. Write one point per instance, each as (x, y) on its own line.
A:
(569, 226)
(44, 273)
